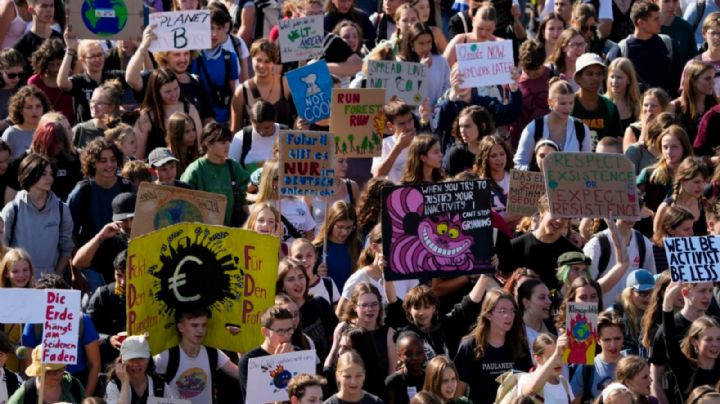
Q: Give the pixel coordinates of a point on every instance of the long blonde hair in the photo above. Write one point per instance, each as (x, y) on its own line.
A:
(12, 256)
(267, 190)
(661, 173)
(632, 93)
(699, 326)
(255, 210)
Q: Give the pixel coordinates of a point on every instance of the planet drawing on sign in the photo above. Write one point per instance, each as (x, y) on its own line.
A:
(581, 331)
(104, 17)
(176, 211)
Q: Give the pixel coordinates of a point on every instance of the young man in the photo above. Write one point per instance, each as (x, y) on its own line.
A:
(306, 389)
(277, 328)
(189, 367)
(9, 381)
(164, 163)
(683, 39)
(533, 84)
(254, 144)
(43, 13)
(595, 110)
(589, 380)
(651, 52)
(401, 122)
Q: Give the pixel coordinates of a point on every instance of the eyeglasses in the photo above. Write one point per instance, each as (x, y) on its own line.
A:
(100, 103)
(590, 28)
(283, 332)
(345, 228)
(373, 305)
(505, 312)
(710, 32)
(13, 75)
(94, 56)
(577, 45)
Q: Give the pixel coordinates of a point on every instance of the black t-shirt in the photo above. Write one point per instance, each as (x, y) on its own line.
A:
(402, 386)
(335, 50)
(192, 91)
(83, 87)
(529, 252)
(30, 42)
(243, 369)
(658, 356)
(366, 399)
(651, 60)
(102, 261)
(318, 322)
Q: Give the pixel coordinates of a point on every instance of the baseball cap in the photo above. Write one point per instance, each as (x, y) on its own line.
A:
(641, 280)
(135, 347)
(587, 59)
(573, 257)
(123, 206)
(160, 156)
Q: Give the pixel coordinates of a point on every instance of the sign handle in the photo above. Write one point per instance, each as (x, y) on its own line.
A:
(328, 231)
(41, 389)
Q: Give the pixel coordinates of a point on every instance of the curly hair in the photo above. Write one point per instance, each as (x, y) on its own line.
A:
(17, 102)
(268, 48)
(52, 49)
(92, 153)
(368, 208)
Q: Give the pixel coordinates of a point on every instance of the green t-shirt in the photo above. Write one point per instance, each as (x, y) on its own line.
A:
(203, 175)
(603, 121)
(67, 391)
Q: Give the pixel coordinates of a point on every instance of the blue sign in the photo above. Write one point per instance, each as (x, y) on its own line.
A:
(311, 88)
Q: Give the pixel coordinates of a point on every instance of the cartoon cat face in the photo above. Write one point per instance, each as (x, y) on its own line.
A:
(444, 237)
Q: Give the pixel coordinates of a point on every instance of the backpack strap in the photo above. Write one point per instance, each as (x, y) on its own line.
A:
(11, 381)
(31, 393)
(328, 286)
(700, 9)
(538, 129)
(464, 23)
(292, 231)
(604, 242)
(14, 223)
(623, 47)
(85, 198)
(668, 44)
(246, 145)
(579, 133)
(76, 390)
(212, 354)
(158, 385)
(640, 240)
(588, 374)
(235, 217)
(173, 363)
(348, 186)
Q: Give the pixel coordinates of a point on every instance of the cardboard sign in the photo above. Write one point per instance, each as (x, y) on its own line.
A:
(581, 328)
(181, 30)
(106, 19)
(160, 206)
(230, 271)
(406, 80)
(357, 119)
(311, 88)
(485, 63)
(693, 259)
(269, 375)
(526, 188)
(306, 163)
(438, 229)
(591, 185)
(60, 326)
(162, 400)
(301, 38)
(21, 305)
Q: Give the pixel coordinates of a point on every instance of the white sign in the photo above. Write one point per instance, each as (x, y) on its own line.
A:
(22, 305)
(485, 63)
(162, 400)
(693, 259)
(60, 326)
(180, 30)
(301, 38)
(406, 80)
(269, 375)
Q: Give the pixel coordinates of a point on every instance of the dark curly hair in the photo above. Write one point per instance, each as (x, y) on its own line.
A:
(52, 49)
(368, 208)
(92, 153)
(17, 102)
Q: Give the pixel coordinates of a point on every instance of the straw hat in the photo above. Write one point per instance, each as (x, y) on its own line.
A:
(36, 368)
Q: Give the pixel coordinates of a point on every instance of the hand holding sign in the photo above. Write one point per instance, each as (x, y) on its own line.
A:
(671, 295)
(181, 30)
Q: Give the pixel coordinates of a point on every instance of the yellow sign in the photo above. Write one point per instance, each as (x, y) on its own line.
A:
(230, 271)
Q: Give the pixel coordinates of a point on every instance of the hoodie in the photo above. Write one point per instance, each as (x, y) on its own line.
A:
(45, 234)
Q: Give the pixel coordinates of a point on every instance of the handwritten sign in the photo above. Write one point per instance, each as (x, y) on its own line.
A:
(160, 206)
(20, 305)
(269, 375)
(181, 30)
(581, 328)
(306, 163)
(485, 63)
(693, 259)
(60, 326)
(406, 80)
(162, 400)
(119, 19)
(437, 229)
(301, 38)
(229, 271)
(357, 119)
(311, 87)
(591, 185)
(526, 187)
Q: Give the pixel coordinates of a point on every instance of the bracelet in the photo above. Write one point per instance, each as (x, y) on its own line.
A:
(71, 52)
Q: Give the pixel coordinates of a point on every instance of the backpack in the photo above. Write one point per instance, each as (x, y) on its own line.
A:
(508, 388)
(11, 381)
(666, 40)
(220, 94)
(700, 8)
(605, 251)
(15, 215)
(579, 131)
(174, 363)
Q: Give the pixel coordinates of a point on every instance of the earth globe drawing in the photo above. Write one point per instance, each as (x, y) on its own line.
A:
(176, 211)
(581, 331)
(104, 17)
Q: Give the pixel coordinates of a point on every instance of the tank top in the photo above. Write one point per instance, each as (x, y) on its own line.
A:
(16, 29)
(283, 107)
(156, 136)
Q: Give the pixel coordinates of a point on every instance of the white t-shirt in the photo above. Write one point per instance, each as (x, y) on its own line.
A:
(298, 214)
(395, 173)
(320, 290)
(360, 277)
(552, 393)
(193, 379)
(261, 148)
(112, 392)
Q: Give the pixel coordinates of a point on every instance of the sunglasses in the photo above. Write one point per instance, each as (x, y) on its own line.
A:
(586, 28)
(13, 75)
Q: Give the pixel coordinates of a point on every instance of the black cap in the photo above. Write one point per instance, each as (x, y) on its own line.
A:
(123, 206)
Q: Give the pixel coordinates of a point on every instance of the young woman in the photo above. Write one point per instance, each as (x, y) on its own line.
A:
(319, 283)
(623, 90)
(558, 126)
(14, 17)
(424, 161)
(16, 271)
(493, 163)
(12, 68)
(704, 395)
(582, 290)
(24, 110)
(534, 304)
(654, 102)
(425, 9)
(410, 375)
(497, 344)
(133, 379)
(632, 303)
(677, 222)
(711, 55)
(57, 384)
(542, 149)
(350, 374)
(417, 45)
(471, 126)
(346, 190)
(688, 185)
(546, 380)
(645, 152)
(634, 372)
(694, 360)
(371, 265)
(125, 139)
(570, 46)
(351, 33)
(318, 319)
(46, 65)
(551, 27)
(182, 140)
(104, 107)
(441, 378)
(368, 207)
(339, 232)
(162, 99)
(267, 84)
(697, 96)
(483, 22)
(264, 219)
(339, 10)
(652, 318)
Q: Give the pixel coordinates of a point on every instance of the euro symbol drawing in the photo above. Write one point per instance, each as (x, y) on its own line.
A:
(178, 280)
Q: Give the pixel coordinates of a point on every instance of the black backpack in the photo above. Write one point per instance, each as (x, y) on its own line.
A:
(579, 131)
(11, 381)
(31, 393)
(605, 251)
(174, 364)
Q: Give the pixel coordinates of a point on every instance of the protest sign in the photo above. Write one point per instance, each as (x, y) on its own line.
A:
(60, 326)
(21, 305)
(311, 89)
(301, 38)
(106, 19)
(160, 206)
(229, 271)
(485, 63)
(269, 375)
(591, 185)
(437, 229)
(406, 80)
(693, 259)
(306, 163)
(357, 119)
(581, 328)
(162, 400)
(180, 30)
(526, 187)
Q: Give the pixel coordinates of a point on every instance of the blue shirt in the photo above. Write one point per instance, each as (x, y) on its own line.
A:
(88, 335)
(338, 263)
(215, 63)
(604, 374)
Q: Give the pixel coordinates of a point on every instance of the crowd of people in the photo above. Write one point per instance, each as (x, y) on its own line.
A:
(85, 121)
